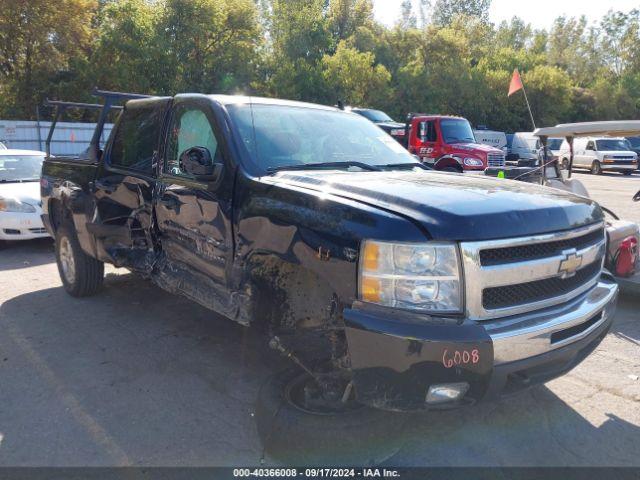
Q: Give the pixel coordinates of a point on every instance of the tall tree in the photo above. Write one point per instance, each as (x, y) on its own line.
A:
(209, 44)
(444, 11)
(346, 16)
(407, 16)
(354, 77)
(38, 41)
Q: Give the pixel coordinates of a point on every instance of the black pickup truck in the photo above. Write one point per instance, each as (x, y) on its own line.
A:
(389, 286)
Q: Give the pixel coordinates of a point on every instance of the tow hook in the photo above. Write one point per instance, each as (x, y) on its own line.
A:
(331, 392)
(277, 345)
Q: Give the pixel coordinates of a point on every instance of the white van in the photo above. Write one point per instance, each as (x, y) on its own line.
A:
(601, 154)
(490, 137)
(524, 146)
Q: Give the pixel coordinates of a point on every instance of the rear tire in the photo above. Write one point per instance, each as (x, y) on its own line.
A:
(81, 274)
(361, 436)
(596, 169)
(451, 169)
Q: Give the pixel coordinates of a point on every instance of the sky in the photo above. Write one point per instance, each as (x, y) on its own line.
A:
(540, 13)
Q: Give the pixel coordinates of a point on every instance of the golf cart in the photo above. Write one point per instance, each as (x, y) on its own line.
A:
(623, 236)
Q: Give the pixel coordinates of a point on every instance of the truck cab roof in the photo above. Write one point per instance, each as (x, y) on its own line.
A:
(238, 100)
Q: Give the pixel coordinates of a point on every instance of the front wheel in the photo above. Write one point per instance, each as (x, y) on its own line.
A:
(596, 168)
(298, 430)
(81, 274)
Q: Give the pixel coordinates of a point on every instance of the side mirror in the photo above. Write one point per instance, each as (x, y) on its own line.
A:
(197, 161)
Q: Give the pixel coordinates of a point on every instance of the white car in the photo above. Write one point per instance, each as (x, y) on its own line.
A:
(20, 205)
(599, 154)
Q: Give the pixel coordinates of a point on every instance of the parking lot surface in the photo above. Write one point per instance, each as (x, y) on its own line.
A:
(136, 376)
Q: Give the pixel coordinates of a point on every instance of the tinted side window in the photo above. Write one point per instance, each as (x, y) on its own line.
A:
(136, 138)
(190, 127)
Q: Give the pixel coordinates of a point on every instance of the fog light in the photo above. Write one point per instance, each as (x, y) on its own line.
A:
(446, 392)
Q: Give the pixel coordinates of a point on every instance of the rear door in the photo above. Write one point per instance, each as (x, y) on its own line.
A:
(124, 185)
(194, 217)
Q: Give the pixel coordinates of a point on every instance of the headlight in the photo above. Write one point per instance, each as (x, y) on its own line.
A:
(473, 162)
(10, 205)
(414, 276)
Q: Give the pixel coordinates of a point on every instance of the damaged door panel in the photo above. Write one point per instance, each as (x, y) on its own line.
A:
(125, 185)
(193, 208)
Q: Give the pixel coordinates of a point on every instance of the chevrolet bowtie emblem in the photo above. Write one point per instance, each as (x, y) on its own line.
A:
(570, 265)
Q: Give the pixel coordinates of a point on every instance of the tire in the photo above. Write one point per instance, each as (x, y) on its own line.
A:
(81, 274)
(363, 436)
(627, 173)
(451, 169)
(596, 169)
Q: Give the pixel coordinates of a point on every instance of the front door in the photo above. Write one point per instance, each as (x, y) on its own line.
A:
(428, 137)
(194, 216)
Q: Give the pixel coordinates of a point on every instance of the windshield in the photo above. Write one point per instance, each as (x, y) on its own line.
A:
(554, 143)
(374, 115)
(456, 131)
(615, 145)
(15, 168)
(296, 136)
(634, 141)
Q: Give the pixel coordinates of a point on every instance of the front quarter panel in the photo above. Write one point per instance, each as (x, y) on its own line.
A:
(319, 232)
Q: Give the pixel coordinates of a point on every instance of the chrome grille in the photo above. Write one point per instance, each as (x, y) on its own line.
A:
(498, 256)
(514, 276)
(529, 292)
(495, 160)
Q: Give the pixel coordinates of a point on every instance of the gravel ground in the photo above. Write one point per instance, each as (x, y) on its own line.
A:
(136, 376)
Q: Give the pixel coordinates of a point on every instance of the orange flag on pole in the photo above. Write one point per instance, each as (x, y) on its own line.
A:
(516, 83)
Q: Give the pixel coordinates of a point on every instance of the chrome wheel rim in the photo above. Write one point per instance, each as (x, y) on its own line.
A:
(67, 263)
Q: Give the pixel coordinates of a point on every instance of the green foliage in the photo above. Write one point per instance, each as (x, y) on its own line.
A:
(445, 11)
(39, 40)
(442, 56)
(354, 77)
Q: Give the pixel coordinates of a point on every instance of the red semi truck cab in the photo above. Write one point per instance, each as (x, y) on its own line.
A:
(448, 143)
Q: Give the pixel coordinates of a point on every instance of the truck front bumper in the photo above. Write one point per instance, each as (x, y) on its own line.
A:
(396, 358)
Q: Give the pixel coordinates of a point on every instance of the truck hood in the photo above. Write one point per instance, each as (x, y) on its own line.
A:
(390, 125)
(452, 206)
(26, 192)
(473, 147)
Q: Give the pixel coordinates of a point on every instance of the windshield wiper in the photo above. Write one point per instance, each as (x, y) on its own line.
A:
(405, 165)
(321, 165)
